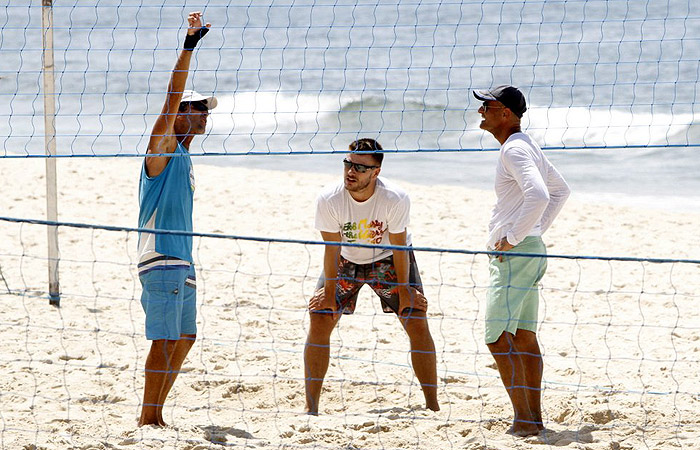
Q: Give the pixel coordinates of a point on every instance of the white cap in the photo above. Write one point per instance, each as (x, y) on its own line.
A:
(192, 96)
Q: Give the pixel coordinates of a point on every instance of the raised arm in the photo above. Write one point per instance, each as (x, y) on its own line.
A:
(163, 138)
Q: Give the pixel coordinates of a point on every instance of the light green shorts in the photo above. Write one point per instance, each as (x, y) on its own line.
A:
(513, 297)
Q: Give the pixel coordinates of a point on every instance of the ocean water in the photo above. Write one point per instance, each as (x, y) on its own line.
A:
(612, 85)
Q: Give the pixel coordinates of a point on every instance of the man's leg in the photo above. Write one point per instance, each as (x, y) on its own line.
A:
(317, 355)
(156, 373)
(511, 368)
(529, 349)
(422, 355)
(177, 358)
(163, 364)
(169, 301)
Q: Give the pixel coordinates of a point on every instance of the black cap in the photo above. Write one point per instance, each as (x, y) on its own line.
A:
(510, 96)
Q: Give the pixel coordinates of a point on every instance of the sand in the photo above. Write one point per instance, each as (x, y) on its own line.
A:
(620, 339)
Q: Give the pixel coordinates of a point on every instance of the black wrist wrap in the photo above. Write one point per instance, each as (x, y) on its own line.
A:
(191, 40)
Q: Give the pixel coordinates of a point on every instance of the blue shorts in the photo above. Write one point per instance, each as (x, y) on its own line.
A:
(169, 301)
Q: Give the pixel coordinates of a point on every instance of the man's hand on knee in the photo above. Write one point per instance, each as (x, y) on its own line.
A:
(318, 302)
(412, 299)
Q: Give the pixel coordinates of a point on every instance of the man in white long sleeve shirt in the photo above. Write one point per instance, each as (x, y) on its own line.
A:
(530, 192)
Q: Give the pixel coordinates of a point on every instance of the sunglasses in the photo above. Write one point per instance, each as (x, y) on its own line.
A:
(197, 106)
(486, 107)
(361, 168)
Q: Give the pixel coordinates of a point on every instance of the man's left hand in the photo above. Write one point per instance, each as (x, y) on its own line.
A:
(503, 246)
(194, 22)
(410, 297)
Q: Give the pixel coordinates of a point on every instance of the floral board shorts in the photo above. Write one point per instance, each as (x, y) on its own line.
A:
(379, 275)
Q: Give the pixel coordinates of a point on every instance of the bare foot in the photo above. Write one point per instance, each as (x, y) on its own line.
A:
(523, 430)
(155, 423)
(433, 406)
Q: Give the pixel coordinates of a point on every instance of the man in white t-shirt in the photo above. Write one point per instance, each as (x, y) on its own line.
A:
(366, 209)
(530, 192)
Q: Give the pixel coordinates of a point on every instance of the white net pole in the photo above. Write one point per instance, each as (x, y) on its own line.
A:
(50, 147)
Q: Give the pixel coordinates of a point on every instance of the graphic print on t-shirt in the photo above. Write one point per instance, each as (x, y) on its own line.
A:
(365, 231)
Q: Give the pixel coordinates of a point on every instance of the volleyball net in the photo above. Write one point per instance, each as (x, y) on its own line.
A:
(297, 80)
(311, 76)
(618, 368)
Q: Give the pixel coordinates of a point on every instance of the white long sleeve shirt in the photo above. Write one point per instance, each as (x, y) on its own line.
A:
(530, 192)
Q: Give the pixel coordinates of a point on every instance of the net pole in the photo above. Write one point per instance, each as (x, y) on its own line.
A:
(50, 148)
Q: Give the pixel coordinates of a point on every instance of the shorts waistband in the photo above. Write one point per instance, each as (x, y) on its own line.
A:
(162, 262)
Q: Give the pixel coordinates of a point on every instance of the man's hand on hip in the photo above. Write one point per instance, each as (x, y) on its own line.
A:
(503, 246)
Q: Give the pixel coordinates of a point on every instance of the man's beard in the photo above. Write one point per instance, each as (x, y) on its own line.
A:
(358, 185)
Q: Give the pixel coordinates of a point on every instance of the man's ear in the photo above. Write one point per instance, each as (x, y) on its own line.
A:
(376, 174)
(510, 116)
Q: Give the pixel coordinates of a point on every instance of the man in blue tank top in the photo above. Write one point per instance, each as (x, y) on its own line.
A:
(166, 269)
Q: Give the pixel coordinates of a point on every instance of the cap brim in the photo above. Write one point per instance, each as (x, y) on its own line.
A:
(211, 102)
(484, 95)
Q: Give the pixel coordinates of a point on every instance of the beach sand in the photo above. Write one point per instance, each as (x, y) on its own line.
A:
(620, 338)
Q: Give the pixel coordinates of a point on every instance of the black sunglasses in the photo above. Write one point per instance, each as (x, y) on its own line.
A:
(486, 107)
(361, 168)
(197, 106)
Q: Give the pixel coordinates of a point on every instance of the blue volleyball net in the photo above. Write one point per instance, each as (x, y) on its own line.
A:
(618, 337)
(609, 84)
(312, 76)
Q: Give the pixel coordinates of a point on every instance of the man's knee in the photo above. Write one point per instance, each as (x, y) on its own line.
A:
(525, 336)
(526, 341)
(504, 344)
(165, 345)
(321, 323)
(188, 339)
(160, 352)
(523, 341)
(415, 323)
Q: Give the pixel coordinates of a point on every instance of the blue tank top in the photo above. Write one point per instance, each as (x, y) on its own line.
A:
(165, 203)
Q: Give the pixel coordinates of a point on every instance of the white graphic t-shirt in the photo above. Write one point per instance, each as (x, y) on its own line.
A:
(364, 222)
